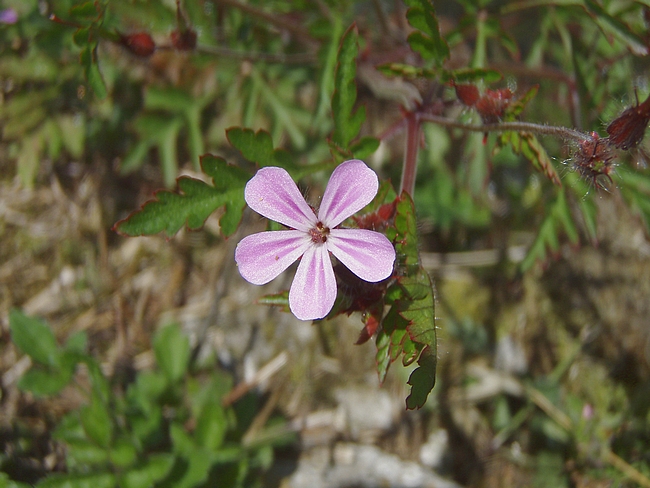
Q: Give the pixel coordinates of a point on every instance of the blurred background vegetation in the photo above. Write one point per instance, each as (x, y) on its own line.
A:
(148, 365)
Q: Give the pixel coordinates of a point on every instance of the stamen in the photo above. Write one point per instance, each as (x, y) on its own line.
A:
(319, 233)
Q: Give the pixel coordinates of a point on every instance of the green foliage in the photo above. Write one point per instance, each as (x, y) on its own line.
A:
(558, 220)
(409, 326)
(347, 121)
(427, 40)
(126, 441)
(193, 203)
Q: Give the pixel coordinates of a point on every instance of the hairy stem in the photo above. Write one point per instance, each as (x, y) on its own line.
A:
(551, 130)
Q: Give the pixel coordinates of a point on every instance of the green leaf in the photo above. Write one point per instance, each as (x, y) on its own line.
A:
(527, 144)
(193, 203)
(471, 75)
(558, 219)
(347, 122)
(198, 461)
(35, 338)
(610, 25)
(280, 299)
(96, 421)
(92, 480)
(93, 76)
(84, 11)
(427, 41)
(422, 379)
(257, 147)
(146, 474)
(364, 147)
(172, 349)
(123, 453)
(211, 426)
(77, 342)
(42, 383)
(408, 328)
(5, 482)
(82, 453)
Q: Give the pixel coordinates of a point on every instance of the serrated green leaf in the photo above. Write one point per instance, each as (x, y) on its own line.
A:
(193, 203)
(347, 122)
(172, 350)
(35, 338)
(427, 42)
(257, 147)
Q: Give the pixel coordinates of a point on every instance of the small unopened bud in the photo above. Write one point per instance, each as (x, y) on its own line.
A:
(141, 44)
(492, 105)
(468, 94)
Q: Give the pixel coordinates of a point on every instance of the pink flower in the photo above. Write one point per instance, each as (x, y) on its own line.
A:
(261, 257)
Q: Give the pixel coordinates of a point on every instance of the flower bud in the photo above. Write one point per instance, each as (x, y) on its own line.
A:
(184, 40)
(141, 44)
(627, 130)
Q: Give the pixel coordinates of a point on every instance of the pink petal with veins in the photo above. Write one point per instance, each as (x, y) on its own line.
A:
(352, 186)
(273, 194)
(261, 257)
(313, 290)
(368, 254)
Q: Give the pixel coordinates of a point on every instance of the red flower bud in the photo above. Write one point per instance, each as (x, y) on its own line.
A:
(492, 105)
(184, 41)
(141, 44)
(468, 94)
(627, 130)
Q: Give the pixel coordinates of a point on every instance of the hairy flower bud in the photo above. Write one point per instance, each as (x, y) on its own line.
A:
(594, 159)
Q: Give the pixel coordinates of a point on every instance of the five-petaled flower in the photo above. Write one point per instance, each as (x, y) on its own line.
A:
(261, 257)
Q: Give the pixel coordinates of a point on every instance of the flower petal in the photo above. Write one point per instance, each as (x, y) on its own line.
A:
(368, 254)
(261, 257)
(273, 194)
(352, 186)
(313, 290)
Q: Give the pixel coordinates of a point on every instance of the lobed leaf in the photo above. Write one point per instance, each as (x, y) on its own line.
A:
(193, 203)
(409, 325)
